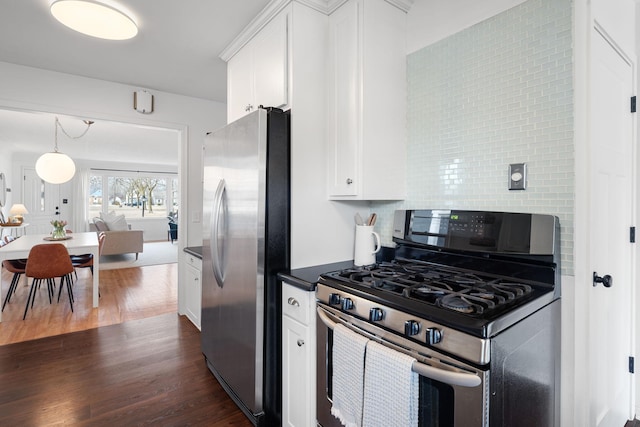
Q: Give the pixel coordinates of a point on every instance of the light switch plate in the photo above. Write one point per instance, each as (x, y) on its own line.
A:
(518, 176)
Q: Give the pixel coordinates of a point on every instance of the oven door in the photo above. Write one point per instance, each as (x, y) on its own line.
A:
(451, 393)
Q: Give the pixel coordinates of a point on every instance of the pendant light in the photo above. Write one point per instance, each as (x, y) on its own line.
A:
(56, 167)
(95, 18)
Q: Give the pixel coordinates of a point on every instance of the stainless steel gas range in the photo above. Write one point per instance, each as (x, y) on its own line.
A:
(474, 297)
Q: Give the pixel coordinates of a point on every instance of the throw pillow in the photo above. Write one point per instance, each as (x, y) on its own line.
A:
(118, 223)
(108, 217)
(100, 224)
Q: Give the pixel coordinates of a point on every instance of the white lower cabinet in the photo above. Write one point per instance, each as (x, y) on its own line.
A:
(298, 357)
(193, 288)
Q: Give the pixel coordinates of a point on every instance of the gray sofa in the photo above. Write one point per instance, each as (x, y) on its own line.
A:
(121, 242)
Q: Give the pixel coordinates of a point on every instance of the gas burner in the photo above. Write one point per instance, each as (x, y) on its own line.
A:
(470, 303)
(426, 290)
(457, 303)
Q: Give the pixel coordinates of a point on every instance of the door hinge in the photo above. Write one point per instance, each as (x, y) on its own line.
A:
(633, 104)
(632, 234)
(631, 363)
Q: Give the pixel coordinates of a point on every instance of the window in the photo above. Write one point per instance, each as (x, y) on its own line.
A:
(95, 196)
(132, 194)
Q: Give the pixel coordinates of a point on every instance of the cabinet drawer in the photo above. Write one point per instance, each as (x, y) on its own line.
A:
(193, 261)
(297, 303)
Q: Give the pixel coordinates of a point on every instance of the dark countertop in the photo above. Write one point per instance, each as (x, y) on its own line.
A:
(194, 250)
(306, 278)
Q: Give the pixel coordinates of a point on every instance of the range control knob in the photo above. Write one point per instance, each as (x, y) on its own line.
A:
(376, 314)
(433, 336)
(334, 299)
(347, 304)
(411, 327)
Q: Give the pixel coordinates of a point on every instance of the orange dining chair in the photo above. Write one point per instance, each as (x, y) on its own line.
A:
(9, 239)
(48, 261)
(15, 266)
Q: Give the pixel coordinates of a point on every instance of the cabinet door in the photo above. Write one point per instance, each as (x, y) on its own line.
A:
(239, 85)
(296, 397)
(344, 130)
(270, 64)
(193, 291)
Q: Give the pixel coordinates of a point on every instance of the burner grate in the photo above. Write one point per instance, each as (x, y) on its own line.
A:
(442, 286)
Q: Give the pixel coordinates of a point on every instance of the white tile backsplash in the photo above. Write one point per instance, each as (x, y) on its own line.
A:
(497, 93)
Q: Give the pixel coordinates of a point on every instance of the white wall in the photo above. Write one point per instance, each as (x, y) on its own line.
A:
(431, 20)
(34, 89)
(40, 90)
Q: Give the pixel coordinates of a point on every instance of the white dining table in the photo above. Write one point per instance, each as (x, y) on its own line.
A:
(76, 244)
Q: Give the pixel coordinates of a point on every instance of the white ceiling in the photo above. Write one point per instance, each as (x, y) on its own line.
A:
(176, 51)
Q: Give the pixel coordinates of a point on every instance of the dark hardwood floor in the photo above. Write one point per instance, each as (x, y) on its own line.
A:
(130, 362)
(141, 372)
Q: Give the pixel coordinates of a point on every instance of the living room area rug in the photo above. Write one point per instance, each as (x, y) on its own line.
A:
(154, 253)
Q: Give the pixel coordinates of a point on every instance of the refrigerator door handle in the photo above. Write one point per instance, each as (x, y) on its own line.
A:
(216, 254)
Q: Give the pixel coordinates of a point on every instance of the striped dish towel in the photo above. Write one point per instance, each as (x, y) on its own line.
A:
(390, 388)
(348, 375)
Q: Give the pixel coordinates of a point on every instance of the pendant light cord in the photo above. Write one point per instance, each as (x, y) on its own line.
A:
(86, 122)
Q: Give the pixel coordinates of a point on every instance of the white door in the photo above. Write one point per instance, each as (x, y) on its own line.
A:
(41, 199)
(611, 168)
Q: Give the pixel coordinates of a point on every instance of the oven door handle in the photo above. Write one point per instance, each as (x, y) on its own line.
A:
(447, 377)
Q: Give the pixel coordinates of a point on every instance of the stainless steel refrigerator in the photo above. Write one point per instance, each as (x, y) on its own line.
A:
(245, 244)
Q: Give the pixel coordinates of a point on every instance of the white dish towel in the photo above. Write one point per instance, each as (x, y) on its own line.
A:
(390, 388)
(348, 375)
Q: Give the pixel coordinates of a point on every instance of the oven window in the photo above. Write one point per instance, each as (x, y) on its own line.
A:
(436, 404)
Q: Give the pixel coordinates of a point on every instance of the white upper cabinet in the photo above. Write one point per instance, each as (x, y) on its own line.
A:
(258, 73)
(367, 101)
(240, 97)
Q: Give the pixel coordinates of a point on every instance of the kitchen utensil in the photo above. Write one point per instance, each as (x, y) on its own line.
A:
(372, 219)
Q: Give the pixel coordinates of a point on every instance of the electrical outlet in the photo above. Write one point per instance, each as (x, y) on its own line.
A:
(518, 176)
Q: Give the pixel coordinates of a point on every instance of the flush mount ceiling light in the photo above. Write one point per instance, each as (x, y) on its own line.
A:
(95, 19)
(56, 167)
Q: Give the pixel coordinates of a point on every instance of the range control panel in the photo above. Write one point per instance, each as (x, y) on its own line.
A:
(484, 231)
